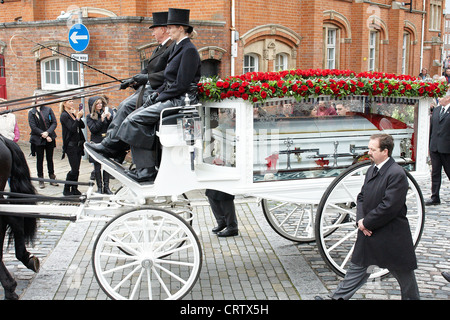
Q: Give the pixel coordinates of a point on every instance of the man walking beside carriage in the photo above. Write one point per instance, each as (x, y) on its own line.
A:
(384, 237)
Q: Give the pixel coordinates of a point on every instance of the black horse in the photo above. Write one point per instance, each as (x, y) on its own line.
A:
(14, 168)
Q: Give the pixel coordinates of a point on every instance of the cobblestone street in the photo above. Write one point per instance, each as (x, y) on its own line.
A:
(256, 265)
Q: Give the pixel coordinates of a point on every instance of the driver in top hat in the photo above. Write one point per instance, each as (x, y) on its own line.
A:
(145, 83)
(181, 76)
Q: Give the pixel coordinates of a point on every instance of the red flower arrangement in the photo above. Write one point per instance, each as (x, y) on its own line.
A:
(259, 86)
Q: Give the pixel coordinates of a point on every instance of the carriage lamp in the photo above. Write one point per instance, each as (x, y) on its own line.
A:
(190, 126)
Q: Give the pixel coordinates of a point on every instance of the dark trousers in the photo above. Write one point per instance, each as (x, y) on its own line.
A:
(127, 106)
(74, 155)
(48, 150)
(438, 161)
(357, 276)
(224, 212)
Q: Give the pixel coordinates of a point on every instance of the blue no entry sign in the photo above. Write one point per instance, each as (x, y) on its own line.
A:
(78, 37)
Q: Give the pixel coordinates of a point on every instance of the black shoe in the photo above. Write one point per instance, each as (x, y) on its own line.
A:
(228, 233)
(106, 190)
(446, 275)
(218, 228)
(143, 174)
(432, 203)
(103, 150)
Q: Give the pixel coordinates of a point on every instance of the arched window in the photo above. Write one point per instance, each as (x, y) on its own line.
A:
(374, 40)
(210, 68)
(59, 73)
(251, 63)
(331, 40)
(406, 49)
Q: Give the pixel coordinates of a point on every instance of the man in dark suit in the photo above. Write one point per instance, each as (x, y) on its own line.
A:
(439, 147)
(384, 237)
(146, 82)
(222, 206)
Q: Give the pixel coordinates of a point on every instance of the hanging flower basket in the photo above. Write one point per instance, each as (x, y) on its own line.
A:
(302, 84)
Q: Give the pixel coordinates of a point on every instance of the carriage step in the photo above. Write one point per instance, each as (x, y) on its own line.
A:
(118, 170)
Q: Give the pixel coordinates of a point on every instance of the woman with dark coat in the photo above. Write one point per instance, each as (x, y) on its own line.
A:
(98, 121)
(43, 123)
(73, 140)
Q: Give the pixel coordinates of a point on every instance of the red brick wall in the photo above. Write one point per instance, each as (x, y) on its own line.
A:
(113, 46)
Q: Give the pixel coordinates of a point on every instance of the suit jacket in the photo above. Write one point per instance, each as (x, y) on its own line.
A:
(440, 131)
(37, 127)
(156, 65)
(182, 72)
(381, 203)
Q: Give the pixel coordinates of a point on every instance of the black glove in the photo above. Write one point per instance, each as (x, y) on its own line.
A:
(141, 78)
(125, 84)
(150, 99)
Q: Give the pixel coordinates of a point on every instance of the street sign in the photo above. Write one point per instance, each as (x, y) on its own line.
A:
(78, 37)
(83, 57)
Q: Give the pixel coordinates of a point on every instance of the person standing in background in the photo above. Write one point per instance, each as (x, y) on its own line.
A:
(98, 121)
(8, 124)
(42, 122)
(73, 140)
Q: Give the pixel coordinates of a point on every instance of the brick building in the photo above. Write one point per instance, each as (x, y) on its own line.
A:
(232, 37)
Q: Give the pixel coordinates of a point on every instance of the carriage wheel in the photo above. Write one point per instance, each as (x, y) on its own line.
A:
(336, 217)
(293, 221)
(162, 260)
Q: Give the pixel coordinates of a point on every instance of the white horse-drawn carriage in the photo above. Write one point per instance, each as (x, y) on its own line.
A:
(306, 168)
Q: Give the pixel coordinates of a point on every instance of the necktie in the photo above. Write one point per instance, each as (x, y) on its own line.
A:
(441, 115)
(375, 171)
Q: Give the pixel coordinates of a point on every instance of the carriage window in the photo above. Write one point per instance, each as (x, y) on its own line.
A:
(310, 139)
(219, 137)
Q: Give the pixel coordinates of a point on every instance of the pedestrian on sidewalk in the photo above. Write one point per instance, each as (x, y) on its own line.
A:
(73, 140)
(384, 237)
(8, 124)
(98, 121)
(439, 147)
(42, 122)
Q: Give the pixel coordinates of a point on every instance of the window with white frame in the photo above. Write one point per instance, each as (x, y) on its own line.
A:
(250, 63)
(59, 73)
(281, 62)
(435, 14)
(373, 48)
(405, 52)
(331, 47)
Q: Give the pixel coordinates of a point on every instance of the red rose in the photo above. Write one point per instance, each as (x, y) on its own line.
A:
(263, 94)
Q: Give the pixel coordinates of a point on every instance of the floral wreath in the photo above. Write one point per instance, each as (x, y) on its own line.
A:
(300, 84)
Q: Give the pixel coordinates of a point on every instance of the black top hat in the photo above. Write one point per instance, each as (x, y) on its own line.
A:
(159, 19)
(179, 17)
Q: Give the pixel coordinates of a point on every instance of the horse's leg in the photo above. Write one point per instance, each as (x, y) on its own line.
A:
(7, 281)
(22, 254)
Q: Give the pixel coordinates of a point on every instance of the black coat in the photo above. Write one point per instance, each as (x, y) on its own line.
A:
(157, 64)
(182, 73)
(440, 131)
(97, 127)
(72, 133)
(381, 203)
(37, 126)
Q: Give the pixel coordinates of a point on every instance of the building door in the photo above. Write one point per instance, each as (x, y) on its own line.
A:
(2, 77)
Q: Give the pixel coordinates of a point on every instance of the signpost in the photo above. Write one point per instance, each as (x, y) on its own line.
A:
(79, 37)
